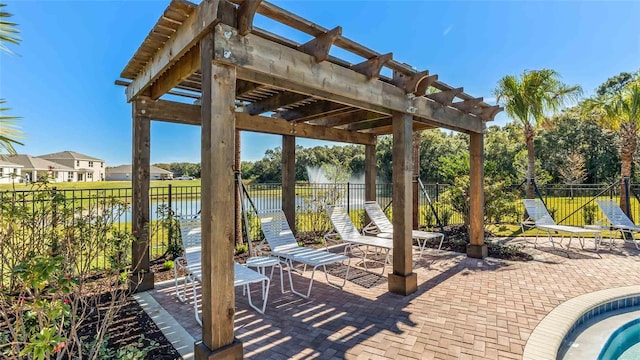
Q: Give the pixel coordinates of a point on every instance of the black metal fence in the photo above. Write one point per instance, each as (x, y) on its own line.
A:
(570, 205)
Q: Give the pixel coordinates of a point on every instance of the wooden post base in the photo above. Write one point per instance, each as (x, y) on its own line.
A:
(403, 284)
(477, 251)
(232, 351)
(139, 282)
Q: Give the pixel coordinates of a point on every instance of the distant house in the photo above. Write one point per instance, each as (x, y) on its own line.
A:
(9, 172)
(35, 168)
(88, 168)
(123, 172)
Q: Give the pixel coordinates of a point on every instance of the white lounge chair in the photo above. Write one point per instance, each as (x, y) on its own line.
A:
(349, 233)
(540, 218)
(381, 225)
(619, 220)
(191, 240)
(284, 245)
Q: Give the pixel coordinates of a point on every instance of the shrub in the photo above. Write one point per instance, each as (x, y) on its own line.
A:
(589, 213)
(50, 290)
(241, 249)
(168, 265)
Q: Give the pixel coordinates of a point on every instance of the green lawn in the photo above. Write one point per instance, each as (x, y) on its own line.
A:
(103, 184)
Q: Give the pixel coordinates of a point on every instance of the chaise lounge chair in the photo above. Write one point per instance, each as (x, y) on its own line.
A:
(284, 245)
(540, 218)
(384, 228)
(348, 233)
(243, 276)
(619, 220)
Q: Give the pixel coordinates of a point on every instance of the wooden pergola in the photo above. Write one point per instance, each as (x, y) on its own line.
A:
(236, 77)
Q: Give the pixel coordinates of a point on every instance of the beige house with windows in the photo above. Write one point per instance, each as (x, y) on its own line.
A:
(87, 168)
(9, 172)
(34, 168)
(123, 173)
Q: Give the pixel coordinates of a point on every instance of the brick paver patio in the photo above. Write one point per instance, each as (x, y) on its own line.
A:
(463, 309)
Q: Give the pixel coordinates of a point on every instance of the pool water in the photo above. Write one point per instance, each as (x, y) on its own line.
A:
(624, 343)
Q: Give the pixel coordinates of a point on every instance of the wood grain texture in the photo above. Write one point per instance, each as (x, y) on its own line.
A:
(255, 55)
(246, 13)
(319, 46)
(141, 162)
(371, 67)
(445, 97)
(402, 156)
(218, 230)
(289, 179)
(476, 200)
(182, 69)
(181, 113)
(188, 34)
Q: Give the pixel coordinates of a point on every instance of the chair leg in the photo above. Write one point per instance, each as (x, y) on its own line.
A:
(195, 302)
(440, 246)
(266, 282)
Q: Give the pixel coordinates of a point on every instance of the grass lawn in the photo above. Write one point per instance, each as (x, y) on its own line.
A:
(103, 184)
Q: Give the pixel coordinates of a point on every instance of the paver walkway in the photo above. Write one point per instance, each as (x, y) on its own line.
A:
(463, 309)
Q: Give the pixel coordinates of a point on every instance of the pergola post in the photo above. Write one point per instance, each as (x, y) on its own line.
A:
(370, 173)
(142, 278)
(403, 280)
(218, 228)
(289, 179)
(416, 174)
(476, 248)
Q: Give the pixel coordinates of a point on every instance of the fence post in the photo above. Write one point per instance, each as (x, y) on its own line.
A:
(437, 192)
(348, 198)
(170, 229)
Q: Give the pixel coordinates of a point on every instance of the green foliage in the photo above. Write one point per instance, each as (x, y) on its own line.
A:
(446, 214)
(241, 249)
(134, 351)
(171, 227)
(168, 265)
(589, 213)
(181, 168)
(48, 254)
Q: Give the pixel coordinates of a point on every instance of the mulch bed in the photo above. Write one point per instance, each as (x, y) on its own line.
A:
(130, 323)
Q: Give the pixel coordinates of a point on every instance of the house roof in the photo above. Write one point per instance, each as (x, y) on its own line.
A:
(126, 169)
(5, 163)
(29, 162)
(62, 155)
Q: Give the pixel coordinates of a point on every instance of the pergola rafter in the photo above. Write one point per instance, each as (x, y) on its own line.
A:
(249, 79)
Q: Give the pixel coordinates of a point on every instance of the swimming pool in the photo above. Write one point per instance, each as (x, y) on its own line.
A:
(624, 343)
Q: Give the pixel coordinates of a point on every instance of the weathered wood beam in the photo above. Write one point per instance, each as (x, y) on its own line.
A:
(273, 63)
(289, 179)
(267, 125)
(489, 113)
(312, 111)
(360, 115)
(425, 84)
(190, 32)
(190, 114)
(386, 130)
(371, 68)
(182, 69)
(340, 118)
(289, 85)
(370, 124)
(272, 103)
(476, 247)
(445, 97)
(403, 280)
(369, 175)
(409, 82)
(319, 46)
(468, 105)
(246, 13)
(142, 279)
(218, 231)
(245, 87)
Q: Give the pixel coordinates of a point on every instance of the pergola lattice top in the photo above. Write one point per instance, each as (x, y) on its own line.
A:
(168, 62)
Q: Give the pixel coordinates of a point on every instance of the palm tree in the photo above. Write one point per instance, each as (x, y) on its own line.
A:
(528, 99)
(8, 130)
(621, 113)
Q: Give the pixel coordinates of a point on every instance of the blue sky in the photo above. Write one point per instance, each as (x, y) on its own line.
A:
(61, 83)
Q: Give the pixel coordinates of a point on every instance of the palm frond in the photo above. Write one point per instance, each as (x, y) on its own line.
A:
(8, 30)
(9, 131)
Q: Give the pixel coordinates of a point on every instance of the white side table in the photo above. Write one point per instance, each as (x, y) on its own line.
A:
(261, 263)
